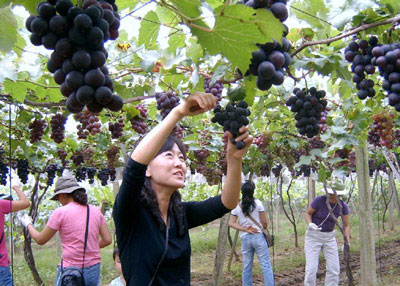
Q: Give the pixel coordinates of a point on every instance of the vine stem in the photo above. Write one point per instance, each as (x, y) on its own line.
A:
(349, 33)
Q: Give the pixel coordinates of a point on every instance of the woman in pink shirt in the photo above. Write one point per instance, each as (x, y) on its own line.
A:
(7, 206)
(70, 221)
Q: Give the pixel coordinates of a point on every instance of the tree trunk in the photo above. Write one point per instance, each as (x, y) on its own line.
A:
(233, 249)
(311, 190)
(392, 201)
(278, 204)
(367, 251)
(220, 251)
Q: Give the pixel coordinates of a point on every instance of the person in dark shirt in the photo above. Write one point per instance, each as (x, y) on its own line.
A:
(151, 221)
(321, 234)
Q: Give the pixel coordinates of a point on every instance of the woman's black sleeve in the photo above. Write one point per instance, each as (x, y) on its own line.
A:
(199, 213)
(127, 202)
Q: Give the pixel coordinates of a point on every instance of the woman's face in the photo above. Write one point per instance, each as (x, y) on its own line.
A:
(333, 198)
(168, 169)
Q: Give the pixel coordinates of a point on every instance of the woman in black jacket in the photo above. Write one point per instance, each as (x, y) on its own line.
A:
(151, 221)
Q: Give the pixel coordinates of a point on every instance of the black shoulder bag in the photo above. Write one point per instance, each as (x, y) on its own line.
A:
(73, 276)
(268, 237)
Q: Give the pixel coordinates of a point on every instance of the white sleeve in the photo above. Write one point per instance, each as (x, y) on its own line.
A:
(235, 211)
(260, 206)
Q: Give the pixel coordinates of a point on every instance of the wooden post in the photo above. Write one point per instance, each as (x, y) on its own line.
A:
(367, 251)
(311, 190)
(233, 250)
(392, 201)
(220, 251)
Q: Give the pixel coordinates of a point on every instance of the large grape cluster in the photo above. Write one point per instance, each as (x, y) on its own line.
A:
(104, 175)
(91, 172)
(62, 154)
(37, 128)
(387, 58)
(117, 128)
(381, 133)
(3, 173)
(215, 89)
(166, 101)
(57, 127)
(277, 170)
(22, 170)
(77, 36)
(78, 158)
(361, 56)
(316, 143)
(80, 174)
(138, 122)
(232, 118)
(269, 62)
(112, 156)
(308, 105)
(89, 124)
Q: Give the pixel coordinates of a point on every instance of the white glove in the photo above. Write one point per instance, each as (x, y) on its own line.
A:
(343, 247)
(313, 226)
(14, 181)
(25, 220)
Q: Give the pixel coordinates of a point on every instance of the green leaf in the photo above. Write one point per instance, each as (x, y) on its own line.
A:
(270, 26)
(149, 28)
(316, 12)
(30, 5)
(122, 90)
(235, 35)
(123, 4)
(16, 89)
(189, 8)
(8, 29)
(194, 52)
(175, 41)
(322, 174)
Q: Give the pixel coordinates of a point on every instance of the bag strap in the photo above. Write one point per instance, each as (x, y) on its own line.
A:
(86, 236)
(164, 254)
(264, 230)
(320, 225)
(2, 236)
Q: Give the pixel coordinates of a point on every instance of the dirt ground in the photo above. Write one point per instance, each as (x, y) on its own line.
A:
(388, 261)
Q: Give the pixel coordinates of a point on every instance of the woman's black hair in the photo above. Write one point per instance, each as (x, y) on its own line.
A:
(79, 197)
(115, 252)
(149, 200)
(248, 204)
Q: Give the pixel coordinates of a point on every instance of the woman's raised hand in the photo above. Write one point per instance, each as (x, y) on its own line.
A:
(232, 151)
(197, 103)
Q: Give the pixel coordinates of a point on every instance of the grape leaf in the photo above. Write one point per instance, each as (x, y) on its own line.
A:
(123, 4)
(8, 29)
(16, 89)
(316, 12)
(234, 36)
(194, 52)
(190, 8)
(175, 41)
(269, 25)
(149, 28)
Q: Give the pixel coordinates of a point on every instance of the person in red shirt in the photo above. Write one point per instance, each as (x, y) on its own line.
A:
(7, 206)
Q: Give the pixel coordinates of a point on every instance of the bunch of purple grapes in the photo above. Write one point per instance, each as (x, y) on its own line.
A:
(215, 89)
(232, 118)
(262, 141)
(138, 122)
(22, 170)
(80, 174)
(77, 36)
(166, 101)
(78, 158)
(316, 143)
(37, 128)
(51, 170)
(277, 170)
(3, 173)
(117, 128)
(57, 123)
(89, 124)
(360, 55)
(91, 172)
(308, 104)
(104, 175)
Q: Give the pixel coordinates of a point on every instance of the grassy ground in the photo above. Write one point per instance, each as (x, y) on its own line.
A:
(204, 241)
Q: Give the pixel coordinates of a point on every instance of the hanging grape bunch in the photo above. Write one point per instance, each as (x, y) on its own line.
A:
(381, 133)
(166, 101)
(215, 89)
(51, 170)
(89, 124)
(361, 56)
(323, 127)
(22, 170)
(37, 128)
(138, 122)
(77, 36)
(57, 123)
(3, 173)
(80, 174)
(262, 141)
(117, 128)
(308, 105)
(269, 62)
(387, 58)
(91, 172)
(232, 118)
